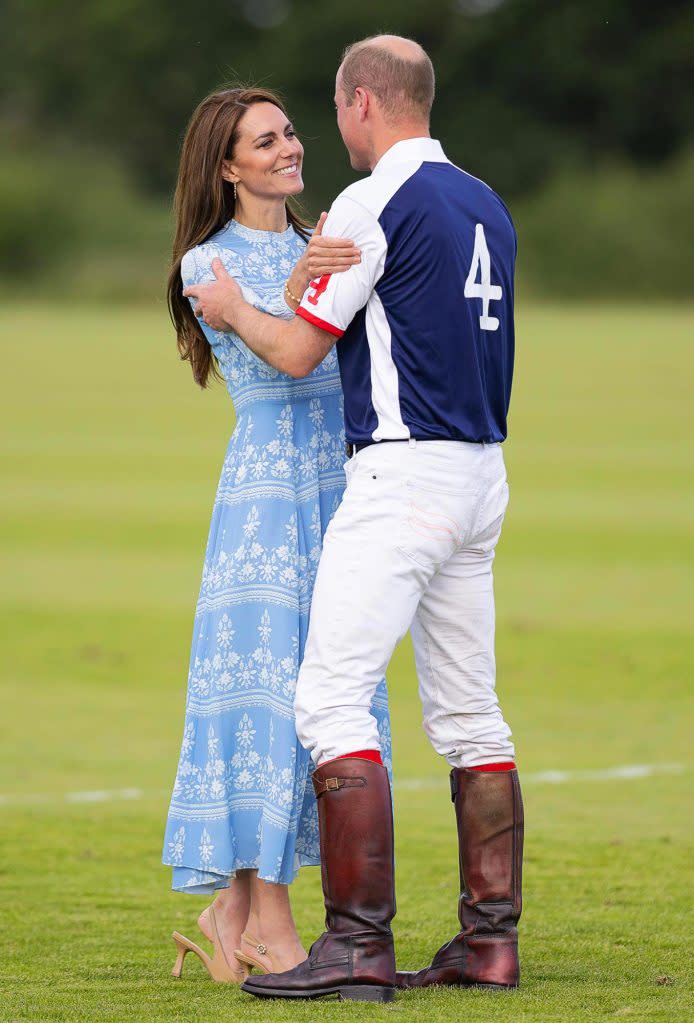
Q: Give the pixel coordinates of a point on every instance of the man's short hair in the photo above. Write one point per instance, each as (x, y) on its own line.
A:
(404, 88)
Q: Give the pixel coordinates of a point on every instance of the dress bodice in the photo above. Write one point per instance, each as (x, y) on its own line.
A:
(261, 262)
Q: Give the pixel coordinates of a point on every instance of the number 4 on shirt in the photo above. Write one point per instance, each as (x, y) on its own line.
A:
(483, 289)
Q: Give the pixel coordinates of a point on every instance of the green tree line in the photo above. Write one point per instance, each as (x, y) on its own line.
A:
(529, 92)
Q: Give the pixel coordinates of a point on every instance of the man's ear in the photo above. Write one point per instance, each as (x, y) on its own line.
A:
(361, 98)
(228, 172)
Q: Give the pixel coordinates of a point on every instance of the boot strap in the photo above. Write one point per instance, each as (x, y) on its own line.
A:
(333, 784)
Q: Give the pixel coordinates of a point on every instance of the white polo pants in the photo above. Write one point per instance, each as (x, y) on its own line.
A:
(410, 547)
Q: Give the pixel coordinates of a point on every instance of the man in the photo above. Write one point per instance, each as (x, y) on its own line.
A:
(425, 341)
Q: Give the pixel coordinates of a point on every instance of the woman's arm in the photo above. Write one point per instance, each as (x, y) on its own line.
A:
(323, 255)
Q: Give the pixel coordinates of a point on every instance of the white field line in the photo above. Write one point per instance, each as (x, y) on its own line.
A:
(88, 796)
(626, 772)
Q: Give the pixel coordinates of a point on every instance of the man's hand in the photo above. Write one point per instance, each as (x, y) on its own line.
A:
(217, 302)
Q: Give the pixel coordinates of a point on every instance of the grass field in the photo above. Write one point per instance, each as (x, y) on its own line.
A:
(110, 459)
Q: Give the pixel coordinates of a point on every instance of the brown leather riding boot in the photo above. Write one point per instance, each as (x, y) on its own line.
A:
(354, 958)
(489, 813)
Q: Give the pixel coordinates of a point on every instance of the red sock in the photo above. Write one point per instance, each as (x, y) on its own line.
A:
(508, 765)
(363, 754)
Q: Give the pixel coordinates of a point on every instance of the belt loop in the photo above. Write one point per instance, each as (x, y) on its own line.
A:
(413, 442)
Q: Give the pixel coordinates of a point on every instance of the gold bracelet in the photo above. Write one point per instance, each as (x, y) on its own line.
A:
(289, 294)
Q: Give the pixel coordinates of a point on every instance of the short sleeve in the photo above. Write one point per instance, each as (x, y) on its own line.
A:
(331, 302)
(196, 268)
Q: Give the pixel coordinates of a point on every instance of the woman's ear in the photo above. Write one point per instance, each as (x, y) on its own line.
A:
(228, 172)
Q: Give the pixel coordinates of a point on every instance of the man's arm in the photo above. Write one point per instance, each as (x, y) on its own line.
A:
(294, 347)
(326, 310)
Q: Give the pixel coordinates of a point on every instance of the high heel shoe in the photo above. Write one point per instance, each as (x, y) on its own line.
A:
(252, 959)
(217, 965)
(257, 956)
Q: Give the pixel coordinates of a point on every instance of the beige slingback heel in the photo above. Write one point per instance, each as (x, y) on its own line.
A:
(217, 965)
(260, 958)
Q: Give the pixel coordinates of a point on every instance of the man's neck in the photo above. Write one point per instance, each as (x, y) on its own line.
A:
(387, 138)
(261, 214)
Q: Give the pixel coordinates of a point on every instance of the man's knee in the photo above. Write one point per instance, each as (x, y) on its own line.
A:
(465, 740)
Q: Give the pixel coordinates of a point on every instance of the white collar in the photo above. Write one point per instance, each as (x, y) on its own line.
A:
(415, 150)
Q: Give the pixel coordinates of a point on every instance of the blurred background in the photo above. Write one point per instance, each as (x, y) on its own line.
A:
(579, 114)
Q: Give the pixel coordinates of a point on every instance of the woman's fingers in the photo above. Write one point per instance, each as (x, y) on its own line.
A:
(326, 255)
(325, 243)
(319, 226)
(342, 256)
(318, 267)
(335, 267)
(317, 261)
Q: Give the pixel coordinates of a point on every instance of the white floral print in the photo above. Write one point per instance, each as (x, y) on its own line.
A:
(242, 796)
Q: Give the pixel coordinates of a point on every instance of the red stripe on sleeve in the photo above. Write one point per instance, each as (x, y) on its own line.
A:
(317, 322)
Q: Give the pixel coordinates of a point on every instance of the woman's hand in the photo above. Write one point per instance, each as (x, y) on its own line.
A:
(323, 255)
(326, 255)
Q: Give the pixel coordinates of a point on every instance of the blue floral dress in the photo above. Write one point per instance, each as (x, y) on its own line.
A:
(243, 796)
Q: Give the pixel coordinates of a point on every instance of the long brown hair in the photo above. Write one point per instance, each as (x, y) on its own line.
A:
(204, 203)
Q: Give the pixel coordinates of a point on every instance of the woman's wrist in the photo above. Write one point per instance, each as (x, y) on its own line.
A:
(300, 276)
(292, 300)
(297, 283)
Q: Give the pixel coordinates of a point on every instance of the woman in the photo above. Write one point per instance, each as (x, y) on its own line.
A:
(243, 818)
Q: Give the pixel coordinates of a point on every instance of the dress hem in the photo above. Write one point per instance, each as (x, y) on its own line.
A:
(222, 880)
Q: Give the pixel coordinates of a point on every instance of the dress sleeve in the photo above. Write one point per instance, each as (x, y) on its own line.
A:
(332, 301)
(271, 300)
(196, 268)
(268, 297)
